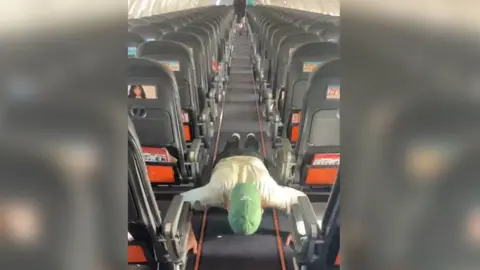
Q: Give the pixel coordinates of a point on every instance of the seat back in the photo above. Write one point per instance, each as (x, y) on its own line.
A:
(148, 243)
(279, 31)
(286, 47)
(165, 27)
(158, 120)
(134, 40)
(213, 34)
(318, 148)
(317, 28)
(331, 33)
(329, 253)
(148, 32)
(179, 59)
(305, 60)
(193, 41)
(277, 36)
(207, 42)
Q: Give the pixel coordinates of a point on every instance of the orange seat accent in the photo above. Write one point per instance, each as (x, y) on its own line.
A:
(326, 173)
(321, 176)
(161, 174)
(295, 130)
(294, 134)
(337, 261)
(136, 254)
(186, 132)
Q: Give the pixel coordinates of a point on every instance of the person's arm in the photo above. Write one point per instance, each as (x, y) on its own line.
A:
(209, 195)
(280, 197)
(202, 197)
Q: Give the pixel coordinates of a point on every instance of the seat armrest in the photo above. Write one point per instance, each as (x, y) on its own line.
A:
(305, 229)
(285, 146)
(176, 227)
(309, 217)
(285, 161)
(193, 152)
(204, 115)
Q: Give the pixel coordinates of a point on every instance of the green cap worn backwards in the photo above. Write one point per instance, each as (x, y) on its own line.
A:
(245, 212)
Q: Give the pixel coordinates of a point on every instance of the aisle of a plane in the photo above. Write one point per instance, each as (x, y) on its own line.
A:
(186, 70)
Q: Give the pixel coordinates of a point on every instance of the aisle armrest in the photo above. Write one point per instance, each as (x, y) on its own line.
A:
(194, 156)
(305, 229)
(176, 228)
(204, 121)
(285, 161)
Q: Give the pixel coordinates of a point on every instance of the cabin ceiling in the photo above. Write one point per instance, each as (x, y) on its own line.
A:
(142, 8)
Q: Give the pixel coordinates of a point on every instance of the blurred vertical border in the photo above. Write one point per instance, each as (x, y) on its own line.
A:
(410, 135)
(63, 130)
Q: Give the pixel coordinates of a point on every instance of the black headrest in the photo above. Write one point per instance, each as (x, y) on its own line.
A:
(332, 33)
(165, 27)
(315, 50)
(134, 39)
(198, 30)
(182, 37)
(146, 68)
(148, 32)
(298, 38)
(281, 31)
(164, 47)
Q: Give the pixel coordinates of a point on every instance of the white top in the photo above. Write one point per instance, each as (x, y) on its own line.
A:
(240, 169)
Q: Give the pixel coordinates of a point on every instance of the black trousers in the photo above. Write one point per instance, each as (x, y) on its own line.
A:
(232, 148)
(240, 9)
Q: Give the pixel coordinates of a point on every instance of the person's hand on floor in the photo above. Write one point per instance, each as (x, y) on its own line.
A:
(192, 242)
(289, 240)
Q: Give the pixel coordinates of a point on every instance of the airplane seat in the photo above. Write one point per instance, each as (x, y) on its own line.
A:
(205, 35)
(277, 36)
(219, 65)
(212, 29)
(155, 240)
(195, 43)
(276, 33)
(218, 21)
(179, 58)
(133, 41)
(215, 70)
(317, 27)
(164, 27)
(158, 120)
(269, 49)
(313, 164)
(305, 23)
(266, 89)
(318, 149)
(286, 46)
(316, 236)
(304, 60)
(223, 27)
(220, 39)
(331, 34)
(148, 32)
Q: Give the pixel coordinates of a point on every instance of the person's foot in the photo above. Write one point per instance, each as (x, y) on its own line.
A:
(251, 135)
(236, 136)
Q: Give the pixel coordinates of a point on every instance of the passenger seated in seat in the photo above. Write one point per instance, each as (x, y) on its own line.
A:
(242, 185)
(136, 91)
